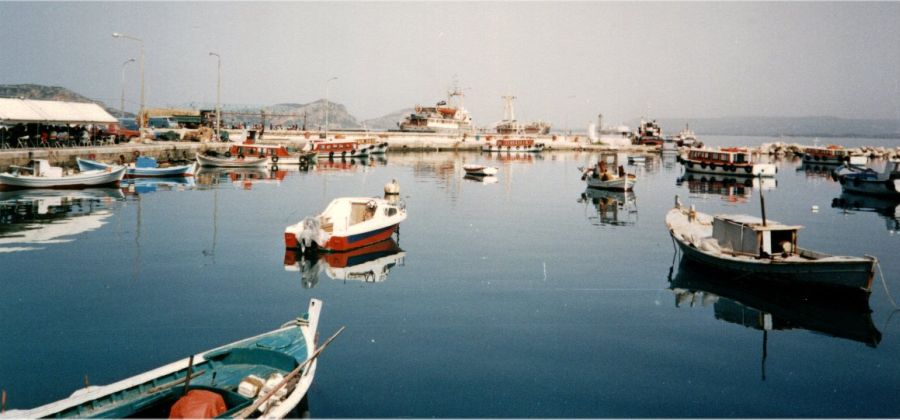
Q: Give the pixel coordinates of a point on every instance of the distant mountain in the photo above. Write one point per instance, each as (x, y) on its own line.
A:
(50, 93)
(311, 115)
(389, 121)
(785, 126)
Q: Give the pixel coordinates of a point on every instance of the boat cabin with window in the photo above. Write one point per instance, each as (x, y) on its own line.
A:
(727, 161)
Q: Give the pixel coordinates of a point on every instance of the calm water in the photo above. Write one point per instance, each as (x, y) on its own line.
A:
(519, 298)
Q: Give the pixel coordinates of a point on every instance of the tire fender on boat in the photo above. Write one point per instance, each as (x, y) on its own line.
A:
(274, 159)
(228, 154)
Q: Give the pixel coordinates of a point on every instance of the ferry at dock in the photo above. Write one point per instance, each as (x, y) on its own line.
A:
(831, 155)
(733, 161)
(441, 118)
(330, 149)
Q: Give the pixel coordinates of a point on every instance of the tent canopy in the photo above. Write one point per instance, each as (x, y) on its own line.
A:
(25, 111)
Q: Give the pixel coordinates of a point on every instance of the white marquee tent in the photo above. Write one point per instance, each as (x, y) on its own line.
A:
(13, 111)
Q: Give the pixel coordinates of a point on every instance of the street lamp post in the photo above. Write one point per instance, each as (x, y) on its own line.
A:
(327, 105)
(218, 95)
(141, 111)
(122, 99)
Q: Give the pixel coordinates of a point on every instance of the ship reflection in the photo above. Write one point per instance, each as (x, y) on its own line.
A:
(733, 189)
(40, 217)
(369, 264)
(888, 208)
(488, 179)
(240, 178)
(765, 306)
(614, 208)
(818, 171)
(148, 185)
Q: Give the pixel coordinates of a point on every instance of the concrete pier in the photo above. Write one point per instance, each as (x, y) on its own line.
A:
(127, 152)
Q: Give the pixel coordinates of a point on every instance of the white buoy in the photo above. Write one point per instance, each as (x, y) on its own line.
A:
(815, 209)
(392, 188)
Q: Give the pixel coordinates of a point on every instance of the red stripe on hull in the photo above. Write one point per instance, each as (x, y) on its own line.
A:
(340, 243)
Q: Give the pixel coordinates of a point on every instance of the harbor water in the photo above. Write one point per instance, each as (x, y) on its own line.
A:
(522, 296)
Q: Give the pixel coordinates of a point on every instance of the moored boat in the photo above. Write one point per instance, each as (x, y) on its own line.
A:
(347, 223)
(733, 161)
(480, 170)
(748, 245)
(607, 174)
(340, 149)
(869, 181)
(441, 118)
(276, 154)
(831, 155)
(513, 144)
(143, 167)
(649, 134)
(232, 161)
(262, 376)
(40, 174)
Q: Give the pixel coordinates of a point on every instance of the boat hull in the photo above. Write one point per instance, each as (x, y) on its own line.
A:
(81, 180)
(231, 162)
(347, 243)
(616, 184)
(855, 183)
(132, 172)
(756, 169)
(478, 170)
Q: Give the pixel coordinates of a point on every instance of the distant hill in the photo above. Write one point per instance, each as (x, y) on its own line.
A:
(51, 93)
(287, 114)
(389, 121)
(785, 126)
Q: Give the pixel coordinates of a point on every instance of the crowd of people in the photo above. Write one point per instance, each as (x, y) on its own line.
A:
(44, 135)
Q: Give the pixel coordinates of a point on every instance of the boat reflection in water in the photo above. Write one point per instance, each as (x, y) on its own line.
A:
(40, 217)
(369, 264)
(769, 306)
(240, 178)
(346, 164)
(614, 208)
(149, 185)
(488, 179)
(887, 207)
(733, 189)
(818, 171)
(512, 157)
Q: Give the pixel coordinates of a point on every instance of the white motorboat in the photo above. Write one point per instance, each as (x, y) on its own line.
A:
(40, 174)
(480, 170)
(347, 223)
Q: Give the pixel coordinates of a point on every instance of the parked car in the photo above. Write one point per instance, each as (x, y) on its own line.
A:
(124, 130)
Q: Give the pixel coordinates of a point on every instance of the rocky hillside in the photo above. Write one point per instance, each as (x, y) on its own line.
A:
(50, 93)
(389, 121)
(311, 115)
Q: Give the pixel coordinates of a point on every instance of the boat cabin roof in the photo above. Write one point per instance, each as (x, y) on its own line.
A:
(755, 223)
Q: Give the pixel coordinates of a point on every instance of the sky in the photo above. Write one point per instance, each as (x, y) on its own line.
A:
(564, 61)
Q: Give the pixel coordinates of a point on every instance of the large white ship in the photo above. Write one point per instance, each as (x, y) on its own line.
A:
(441, 118)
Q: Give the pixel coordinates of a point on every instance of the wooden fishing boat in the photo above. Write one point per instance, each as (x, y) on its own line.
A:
(869, 181)
(347, 223)
(276, 154)
(733, 161)
(607, 174)
(39, 174)
(143, 167)
(480, 170)
(232, 162)
(517, 144)
(747, 245)
(331, 149)
(831, 155)
(262, 376)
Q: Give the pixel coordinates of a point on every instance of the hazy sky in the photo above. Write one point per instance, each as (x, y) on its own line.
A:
(565, 61)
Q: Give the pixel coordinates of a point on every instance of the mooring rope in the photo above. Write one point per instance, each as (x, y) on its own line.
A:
(884, 284)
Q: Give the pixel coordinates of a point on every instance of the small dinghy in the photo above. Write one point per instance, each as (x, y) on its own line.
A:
(479, 170)
(232, 162)
(607, 174)
(143, 167)
(39, 174)
(262, 376)
(347, 223)
(750, 246)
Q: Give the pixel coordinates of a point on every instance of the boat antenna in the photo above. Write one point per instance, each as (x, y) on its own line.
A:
(762, 200)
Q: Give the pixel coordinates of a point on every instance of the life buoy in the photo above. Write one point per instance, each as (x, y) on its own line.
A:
(703, 165)
(274, 159)
(274, 168)
(343, 155)
(228, 154)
